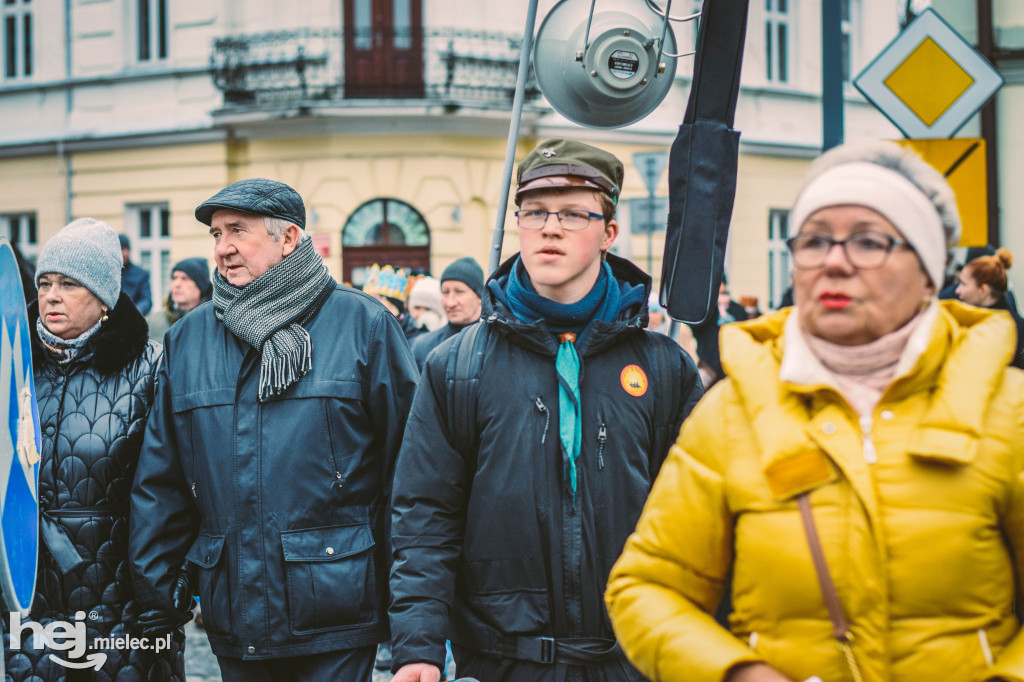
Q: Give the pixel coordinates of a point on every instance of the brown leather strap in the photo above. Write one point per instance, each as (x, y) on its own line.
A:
(840, 626)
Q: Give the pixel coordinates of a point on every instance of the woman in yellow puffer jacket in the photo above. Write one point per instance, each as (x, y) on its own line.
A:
(870, 421)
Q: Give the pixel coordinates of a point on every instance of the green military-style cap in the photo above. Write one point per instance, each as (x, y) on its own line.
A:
(559, 162)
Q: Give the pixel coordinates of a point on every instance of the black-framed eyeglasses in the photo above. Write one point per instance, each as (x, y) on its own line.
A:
(570, 219)
(862, 250)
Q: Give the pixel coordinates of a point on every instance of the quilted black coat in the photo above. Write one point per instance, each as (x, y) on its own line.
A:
(92, 416)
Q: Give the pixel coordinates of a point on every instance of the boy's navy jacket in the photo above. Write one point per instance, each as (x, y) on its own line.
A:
(489, 543)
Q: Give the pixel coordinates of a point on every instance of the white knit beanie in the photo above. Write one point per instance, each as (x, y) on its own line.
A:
(426, 293)
(887, 192)
(88, 251)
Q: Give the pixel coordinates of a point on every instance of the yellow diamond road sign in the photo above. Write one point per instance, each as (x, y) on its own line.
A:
(962, 162)
(929, 81)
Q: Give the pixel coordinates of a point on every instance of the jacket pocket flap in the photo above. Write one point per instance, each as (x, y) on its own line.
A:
(206, 550)
(326, 544)
(322, 388)
(207, 398)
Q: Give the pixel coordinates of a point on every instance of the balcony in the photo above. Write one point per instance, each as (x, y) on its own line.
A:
(455, 68)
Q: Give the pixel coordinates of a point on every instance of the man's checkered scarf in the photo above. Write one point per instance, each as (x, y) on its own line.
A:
(268, 314)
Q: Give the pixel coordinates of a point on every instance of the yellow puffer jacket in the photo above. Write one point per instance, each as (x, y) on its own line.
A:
(920, 544)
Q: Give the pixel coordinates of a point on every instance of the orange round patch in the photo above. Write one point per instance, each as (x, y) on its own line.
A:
(634, 381)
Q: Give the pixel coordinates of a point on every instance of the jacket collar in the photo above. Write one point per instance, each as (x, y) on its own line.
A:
(801, 367)
(797, 424)
(537, 336)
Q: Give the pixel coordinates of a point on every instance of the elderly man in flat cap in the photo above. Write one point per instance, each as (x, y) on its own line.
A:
(268, 455)
(527, 460)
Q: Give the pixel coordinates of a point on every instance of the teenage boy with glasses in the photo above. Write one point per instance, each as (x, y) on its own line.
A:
(504, 545)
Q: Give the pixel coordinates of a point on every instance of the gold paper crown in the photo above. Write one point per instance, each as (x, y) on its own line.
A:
(388, 282)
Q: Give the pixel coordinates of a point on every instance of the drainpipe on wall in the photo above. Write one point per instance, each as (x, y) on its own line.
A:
(63, 158)
(832, 101)
(986, 45)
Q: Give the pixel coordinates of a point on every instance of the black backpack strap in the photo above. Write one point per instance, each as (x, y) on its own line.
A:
(667, 369)
(462, 380)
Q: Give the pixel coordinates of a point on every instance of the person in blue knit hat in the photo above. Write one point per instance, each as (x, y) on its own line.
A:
(462, 290)
(135, 279)
(190, 288)
(508, 515)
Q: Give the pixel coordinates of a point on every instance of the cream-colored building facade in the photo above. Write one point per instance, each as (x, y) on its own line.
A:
(135, 111)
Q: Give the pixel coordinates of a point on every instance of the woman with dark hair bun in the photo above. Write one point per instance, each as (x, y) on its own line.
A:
(983, 283)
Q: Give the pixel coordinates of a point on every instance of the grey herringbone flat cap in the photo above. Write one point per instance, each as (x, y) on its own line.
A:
(259, 196)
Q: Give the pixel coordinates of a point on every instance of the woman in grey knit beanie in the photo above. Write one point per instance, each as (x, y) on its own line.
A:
(94, 370)
(79, 278)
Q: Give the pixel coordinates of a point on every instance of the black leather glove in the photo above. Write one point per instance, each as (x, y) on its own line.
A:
(182, 595)
(157, 622)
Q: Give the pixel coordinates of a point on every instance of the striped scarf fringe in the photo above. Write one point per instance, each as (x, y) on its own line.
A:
(269, 314)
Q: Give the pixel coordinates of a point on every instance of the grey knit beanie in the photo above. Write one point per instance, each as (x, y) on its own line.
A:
(467, 271)
(86, 250)
(197, 270)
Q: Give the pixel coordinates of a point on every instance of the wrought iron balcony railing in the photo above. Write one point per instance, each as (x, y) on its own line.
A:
(454, 67)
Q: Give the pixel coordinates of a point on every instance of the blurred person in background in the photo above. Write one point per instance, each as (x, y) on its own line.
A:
(390, 286)
(94, 372)
(859, 472)
(750, 306)
(134, 280)
(462, 286)
(657, 317)
(425, 303)
(728, 309)
(982, 282)
(706, 334)
(190, 287)
(658, 320)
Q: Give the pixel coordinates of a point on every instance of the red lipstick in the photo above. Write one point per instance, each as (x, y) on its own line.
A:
(834, 300)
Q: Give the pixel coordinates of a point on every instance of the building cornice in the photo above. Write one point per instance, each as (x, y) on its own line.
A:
(134, 75)
(105, 143)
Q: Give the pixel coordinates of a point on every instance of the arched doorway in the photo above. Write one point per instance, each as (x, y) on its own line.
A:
(387, 232)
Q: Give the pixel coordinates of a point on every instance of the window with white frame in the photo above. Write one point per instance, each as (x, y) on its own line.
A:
(149, 227)
(847, 28)
(777, 40)
(17, 38)
(151, 30)
(778, 255)
(20, 229)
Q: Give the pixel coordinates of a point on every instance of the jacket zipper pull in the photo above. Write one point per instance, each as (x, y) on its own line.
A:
(542, 408)
(194, 494)
(602, 438)
(337, 479)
